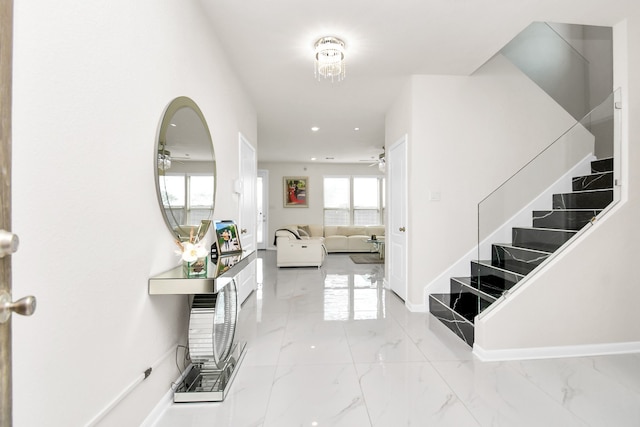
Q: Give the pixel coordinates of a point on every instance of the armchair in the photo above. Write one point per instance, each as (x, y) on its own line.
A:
(294, 250)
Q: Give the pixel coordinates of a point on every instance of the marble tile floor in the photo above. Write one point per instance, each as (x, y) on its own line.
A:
(332, 347)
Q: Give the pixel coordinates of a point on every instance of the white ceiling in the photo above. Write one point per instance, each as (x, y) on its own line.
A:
(270, 46)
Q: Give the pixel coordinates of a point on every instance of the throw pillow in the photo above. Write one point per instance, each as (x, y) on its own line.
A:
(306, 229)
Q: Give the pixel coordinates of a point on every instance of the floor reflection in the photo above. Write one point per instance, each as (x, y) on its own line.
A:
(353, 297)
(340, 289)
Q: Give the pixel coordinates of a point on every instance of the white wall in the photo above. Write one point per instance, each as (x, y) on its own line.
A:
(279, 215)
(467, 136)
(91, 80)
(594, 304)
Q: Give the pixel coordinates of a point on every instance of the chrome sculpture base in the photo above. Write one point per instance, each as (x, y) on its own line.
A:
(209, 384)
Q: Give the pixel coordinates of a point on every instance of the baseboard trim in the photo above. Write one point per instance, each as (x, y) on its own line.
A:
(556, 352)
(417, 308)
(163, 404)
(160, 408)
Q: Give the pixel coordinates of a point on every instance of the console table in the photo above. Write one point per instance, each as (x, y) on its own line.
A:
(215, 355)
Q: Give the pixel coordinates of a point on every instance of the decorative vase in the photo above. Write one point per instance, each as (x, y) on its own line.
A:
(197, 268)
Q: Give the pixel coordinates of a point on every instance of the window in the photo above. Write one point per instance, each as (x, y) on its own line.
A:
(353, 200)
(337, 200)
(188, 199)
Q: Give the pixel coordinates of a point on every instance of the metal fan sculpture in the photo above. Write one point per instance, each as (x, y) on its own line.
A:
(212, 327)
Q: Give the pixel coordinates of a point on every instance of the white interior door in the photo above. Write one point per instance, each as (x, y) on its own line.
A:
(246, 280)
(262, 195)
(397, 206)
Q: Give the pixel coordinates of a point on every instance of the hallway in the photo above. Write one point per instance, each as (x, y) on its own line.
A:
(331, 347)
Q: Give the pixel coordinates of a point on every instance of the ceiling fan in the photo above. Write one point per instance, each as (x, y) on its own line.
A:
(381, 162)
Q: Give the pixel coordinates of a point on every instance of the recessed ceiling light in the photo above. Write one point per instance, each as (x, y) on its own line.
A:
(172, 124)
(315, 129)
(356, 129)
(313, 158)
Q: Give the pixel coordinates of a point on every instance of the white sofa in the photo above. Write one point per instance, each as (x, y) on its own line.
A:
(300, 246)
(336, 238)
(343, 238)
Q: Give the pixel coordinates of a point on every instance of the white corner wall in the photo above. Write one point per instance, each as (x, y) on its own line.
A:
(466, 137)
(91, 80)
(589, 295)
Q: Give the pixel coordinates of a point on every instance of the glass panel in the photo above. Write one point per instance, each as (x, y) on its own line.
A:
(336, 193)
(365, 192)
(336, 217)
(550, 61)
(259, 204)
(201, 192)
(548, 201)
(174, 194)
(197, 215)
(366, 217)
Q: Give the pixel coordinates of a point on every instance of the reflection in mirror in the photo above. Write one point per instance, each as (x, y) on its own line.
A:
(185, 170)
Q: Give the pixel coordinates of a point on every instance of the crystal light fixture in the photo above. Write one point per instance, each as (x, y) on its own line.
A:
(329, 58)
(164, 159)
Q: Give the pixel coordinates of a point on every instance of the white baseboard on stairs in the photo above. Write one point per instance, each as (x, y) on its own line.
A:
(417, 308)
(555, 352)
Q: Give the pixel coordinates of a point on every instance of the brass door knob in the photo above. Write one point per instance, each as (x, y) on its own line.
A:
(402, 229)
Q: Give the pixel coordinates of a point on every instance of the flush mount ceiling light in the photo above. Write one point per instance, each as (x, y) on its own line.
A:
(329, 53)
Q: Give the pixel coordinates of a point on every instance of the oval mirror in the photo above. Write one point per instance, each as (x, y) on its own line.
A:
(185, 170)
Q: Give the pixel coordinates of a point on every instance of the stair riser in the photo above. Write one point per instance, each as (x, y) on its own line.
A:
(451, 319)
(514, 259)
(540, 239)
(466, 284)
(592, 182)
(603, 165)
(588, 200)
(495, 278)
(564, 220)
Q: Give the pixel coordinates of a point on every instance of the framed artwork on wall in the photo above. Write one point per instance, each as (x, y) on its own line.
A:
(296, 192)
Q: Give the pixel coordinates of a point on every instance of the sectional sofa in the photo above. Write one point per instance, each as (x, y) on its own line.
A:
(306, 244)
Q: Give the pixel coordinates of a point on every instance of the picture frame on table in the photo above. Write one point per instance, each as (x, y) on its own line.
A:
(296, 191)
(227, 238)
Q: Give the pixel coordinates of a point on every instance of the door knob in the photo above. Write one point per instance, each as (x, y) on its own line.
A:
(402, 229)
(242, 231)
(24, 306)
(9, 243)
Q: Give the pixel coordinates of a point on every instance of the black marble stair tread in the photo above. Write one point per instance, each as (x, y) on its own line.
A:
(544, 239)
(588, 199)
(596, 181)
(564, 219)
(471, 284)
(602, 165)
(518, 259)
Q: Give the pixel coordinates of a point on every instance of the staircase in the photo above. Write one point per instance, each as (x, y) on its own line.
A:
(530, 246)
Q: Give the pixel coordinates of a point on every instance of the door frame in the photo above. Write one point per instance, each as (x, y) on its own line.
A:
(6, 70)
(264, 174)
